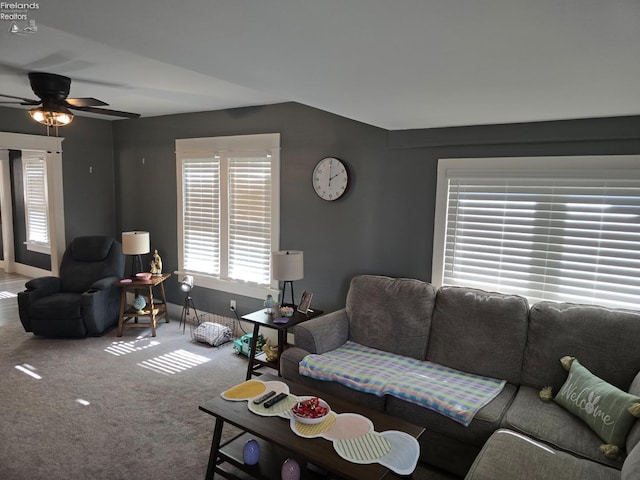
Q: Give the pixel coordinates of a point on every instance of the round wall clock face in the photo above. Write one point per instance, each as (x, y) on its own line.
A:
(330, 178)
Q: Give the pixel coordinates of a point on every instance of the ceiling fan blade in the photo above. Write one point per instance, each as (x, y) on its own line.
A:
(86, 102)
(106, 111)
(24, 101)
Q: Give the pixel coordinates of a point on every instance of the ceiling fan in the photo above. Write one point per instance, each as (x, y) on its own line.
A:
(53, 90)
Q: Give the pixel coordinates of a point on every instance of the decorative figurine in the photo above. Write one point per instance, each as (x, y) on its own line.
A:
(270, 351)
(156, 264)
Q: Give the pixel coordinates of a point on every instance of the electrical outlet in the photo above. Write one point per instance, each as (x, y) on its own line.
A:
(232, 304)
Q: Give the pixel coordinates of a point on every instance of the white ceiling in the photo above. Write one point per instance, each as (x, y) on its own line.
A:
(396, 64)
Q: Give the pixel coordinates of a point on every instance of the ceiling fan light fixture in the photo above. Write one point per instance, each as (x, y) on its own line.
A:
(58, 116)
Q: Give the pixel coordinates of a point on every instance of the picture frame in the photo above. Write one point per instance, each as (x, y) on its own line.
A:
(305, 302)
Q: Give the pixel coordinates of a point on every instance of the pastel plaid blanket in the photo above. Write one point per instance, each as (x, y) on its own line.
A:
(455, 394)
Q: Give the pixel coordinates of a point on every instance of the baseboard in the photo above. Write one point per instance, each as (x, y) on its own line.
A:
(29, 271)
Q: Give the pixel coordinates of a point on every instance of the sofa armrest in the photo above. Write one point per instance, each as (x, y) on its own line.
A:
(324, 333)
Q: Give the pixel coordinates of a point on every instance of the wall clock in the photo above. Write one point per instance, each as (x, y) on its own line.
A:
(330, 178)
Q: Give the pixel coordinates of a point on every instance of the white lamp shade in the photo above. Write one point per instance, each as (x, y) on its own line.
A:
(287, 265)
(135, 243)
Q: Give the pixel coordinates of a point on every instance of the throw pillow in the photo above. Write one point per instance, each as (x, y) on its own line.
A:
(609, 411)
(212, 333)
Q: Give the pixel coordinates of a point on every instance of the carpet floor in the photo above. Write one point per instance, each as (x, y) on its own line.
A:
(109, 407)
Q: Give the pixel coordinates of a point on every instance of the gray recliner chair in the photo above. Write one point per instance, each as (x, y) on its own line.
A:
(82, 301)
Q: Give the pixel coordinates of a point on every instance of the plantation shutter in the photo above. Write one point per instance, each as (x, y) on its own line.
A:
(250, 218)
(201, 215)
(35, 194)
(561, 239)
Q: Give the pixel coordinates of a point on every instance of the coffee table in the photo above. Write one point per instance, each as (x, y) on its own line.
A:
(278, 442)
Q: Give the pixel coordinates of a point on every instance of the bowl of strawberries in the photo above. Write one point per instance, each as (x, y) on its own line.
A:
(311, 411)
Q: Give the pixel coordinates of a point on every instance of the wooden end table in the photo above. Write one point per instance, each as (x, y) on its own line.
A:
(262, 319)
(154, 310)
(278, 442)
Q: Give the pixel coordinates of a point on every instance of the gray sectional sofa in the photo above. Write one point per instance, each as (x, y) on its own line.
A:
(517, 434)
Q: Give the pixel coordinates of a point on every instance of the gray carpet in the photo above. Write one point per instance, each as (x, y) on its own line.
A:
(109, 408)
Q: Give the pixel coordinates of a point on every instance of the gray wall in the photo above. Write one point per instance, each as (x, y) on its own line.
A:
(89, 198)
(383, 224)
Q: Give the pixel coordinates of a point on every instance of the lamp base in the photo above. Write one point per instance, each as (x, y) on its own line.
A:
(136, 265)
(188, 303)
(284, 292)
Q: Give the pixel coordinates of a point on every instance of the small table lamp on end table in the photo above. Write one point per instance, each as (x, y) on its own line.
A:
(135, 243)
(287, 266)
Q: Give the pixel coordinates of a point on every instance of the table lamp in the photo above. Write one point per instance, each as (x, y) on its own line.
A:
(135, 243)
(287, 266)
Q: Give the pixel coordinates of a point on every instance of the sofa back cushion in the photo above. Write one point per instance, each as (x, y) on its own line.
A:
(390, 314)
(604, 340)
(479, 332)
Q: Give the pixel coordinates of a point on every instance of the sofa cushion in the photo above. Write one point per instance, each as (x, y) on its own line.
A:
(631, 467)
(633, 438)
(599, 404)
(479, 332)
(605, 340)
(552, 424)
(484, 423)
(508, 455)
(63, 306)
(390, 314)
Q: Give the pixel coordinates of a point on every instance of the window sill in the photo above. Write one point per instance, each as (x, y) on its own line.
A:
(36, 247)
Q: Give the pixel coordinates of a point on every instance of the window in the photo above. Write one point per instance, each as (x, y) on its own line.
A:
(36, 208)
(228, 219)
(559, 229)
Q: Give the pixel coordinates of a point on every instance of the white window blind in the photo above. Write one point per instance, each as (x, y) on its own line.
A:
(571, 235)
(201, 214)
(34, 170)
(229, 210)
(250, 219)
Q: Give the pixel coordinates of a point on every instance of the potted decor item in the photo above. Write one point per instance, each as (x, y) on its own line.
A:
(269, 303)
(139, 303)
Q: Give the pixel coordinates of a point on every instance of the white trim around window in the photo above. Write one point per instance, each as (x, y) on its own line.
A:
(228, 211)
(36, 205)
(55, 196)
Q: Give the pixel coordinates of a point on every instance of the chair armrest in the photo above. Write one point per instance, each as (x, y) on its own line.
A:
(43, 286)
(36, 289)
(103, 283)
(100, 305)
(324, 333)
